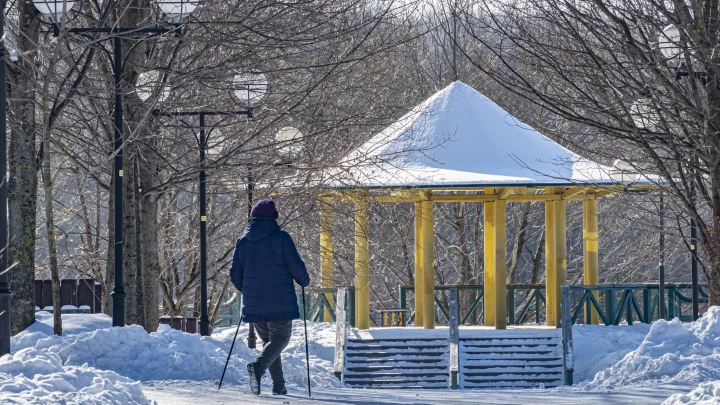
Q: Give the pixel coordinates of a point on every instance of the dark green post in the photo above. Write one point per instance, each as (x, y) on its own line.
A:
(646, 305)
(511, 305)
(671, 302)
(610, 305)
(351, 307)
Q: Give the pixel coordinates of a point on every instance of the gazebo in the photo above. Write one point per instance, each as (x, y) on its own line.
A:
(459, 146)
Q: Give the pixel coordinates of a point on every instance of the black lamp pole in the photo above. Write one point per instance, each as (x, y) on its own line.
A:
(118, 293)
(5, 292)
(252, 337)
(693, 259)
(202, 144)
(204, 320)
(661, 290)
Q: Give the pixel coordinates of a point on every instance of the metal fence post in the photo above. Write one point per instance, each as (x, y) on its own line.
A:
(568, 356)
(454, 338)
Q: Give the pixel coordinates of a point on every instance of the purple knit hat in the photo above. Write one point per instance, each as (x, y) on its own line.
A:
(264, 208)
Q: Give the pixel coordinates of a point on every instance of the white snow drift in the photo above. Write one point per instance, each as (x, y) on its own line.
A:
(34, 376)
(671, 352)
(164, 355)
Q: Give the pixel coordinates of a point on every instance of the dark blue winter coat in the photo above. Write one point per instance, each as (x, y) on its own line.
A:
(264, 265)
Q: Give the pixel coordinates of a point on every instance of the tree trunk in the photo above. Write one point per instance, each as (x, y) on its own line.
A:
(110, 262)
(150, 258)
(713, 248)
(131, 271)
(23, 184)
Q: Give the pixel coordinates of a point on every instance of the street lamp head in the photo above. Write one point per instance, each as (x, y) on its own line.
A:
(623, 172)
(289, 139)
(670, 45)
(250, 88)
(146, 84)
(177, 9)
(54, 8)
(644, 115)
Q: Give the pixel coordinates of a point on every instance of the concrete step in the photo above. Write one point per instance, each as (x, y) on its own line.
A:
(394, 347)
(509, 385)
(394, 354)
(404, 375)
(515, 360)
(414, 385)
(368, 369)
(368, 341)
(505, 345)
(513, 374)
(503, 366)
(361, 360)
(396, 381)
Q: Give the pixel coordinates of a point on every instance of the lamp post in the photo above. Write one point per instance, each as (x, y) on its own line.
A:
(5, 292)
(249, 89)
(176, 10)
(670, 43)
(644, 116)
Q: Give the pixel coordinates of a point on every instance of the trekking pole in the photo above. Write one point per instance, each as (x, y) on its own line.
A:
(231, 349)
(307, 352)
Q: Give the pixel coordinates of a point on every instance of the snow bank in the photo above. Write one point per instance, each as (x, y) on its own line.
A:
(670, 353)
(598, 347)
(706, 394)
(174, 355)
(34, 376)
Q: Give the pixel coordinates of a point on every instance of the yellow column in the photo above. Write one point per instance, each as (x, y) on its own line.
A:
(489, 264)
(560, 255)
(500, 223)
(590, 250)
(362, 266)
(551, 301)
(326, 254)
(419, 276)
(428, 256)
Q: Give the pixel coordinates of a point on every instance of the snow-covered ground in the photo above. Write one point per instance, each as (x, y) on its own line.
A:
(93, 363)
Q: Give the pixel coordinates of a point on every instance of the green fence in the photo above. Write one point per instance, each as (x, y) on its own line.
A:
(317, 302)
(617, 303)
(525, 302)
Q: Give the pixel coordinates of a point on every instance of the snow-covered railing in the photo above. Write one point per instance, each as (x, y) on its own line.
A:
(454, 338)
(566, 313)
(340, 333)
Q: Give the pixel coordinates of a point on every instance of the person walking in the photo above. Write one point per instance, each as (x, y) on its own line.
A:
(264, 265)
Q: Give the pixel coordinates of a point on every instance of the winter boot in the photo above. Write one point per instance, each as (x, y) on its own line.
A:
(279, 389)
(254, 379)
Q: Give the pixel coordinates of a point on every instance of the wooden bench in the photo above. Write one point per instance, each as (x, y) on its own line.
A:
(77, 296)
(187, 324)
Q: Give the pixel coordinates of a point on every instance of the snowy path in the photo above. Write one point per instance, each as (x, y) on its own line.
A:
(181, 393)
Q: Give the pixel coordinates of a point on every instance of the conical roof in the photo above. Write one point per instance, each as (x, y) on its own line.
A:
(459, 137)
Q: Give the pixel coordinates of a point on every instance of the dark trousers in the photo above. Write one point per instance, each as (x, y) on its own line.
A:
(275, 337)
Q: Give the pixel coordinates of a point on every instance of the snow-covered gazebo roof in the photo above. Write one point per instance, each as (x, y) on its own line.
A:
(460, 138)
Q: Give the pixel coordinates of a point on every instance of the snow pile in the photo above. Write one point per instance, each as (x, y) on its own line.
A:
(706, 394)
(670, 353)
(34, 376)
(170, 354)
(598, 347)
(72, 323)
